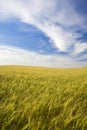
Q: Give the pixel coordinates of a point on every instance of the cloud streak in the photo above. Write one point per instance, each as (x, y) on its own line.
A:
(12, 56)
(56, 18)
(46, 16)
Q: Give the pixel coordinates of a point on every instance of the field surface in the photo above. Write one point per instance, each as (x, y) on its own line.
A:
(33, 98)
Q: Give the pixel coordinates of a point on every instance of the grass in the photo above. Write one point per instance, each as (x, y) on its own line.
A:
(33, 98)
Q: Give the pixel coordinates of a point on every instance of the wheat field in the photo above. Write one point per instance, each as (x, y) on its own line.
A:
(34, 98)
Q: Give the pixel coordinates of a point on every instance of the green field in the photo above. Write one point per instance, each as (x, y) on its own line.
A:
(33, 98)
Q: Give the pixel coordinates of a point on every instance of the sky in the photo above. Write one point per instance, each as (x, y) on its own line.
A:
(48, 33)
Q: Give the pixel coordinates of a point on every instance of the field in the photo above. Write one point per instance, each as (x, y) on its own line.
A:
(34, 98)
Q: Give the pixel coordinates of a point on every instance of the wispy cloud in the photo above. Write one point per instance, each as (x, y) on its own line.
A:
(79, 48)
(46, 15)
(11, 55)
(56, 18)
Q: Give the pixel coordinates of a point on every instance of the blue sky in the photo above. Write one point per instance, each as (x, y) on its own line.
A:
(43, 33)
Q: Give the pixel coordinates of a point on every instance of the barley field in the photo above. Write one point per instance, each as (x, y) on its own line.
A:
(34, 98)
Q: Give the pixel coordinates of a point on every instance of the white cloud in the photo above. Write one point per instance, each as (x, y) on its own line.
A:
(52, 17)
(80, 47)
(12, 56)
(55, 18)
